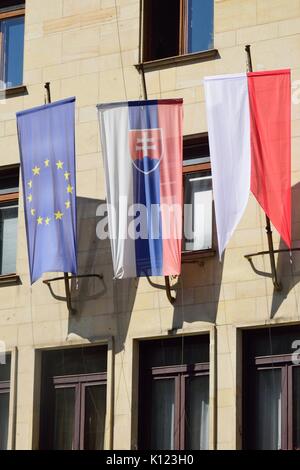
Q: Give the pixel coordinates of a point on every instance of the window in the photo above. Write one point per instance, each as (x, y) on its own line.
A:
(9, 196)
(4, 401)
(198, 196)
(177, 27)
(11, 43)
(174, 394)
(271, 389)
(73, 399)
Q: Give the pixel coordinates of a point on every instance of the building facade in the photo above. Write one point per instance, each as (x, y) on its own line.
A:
(218, 369)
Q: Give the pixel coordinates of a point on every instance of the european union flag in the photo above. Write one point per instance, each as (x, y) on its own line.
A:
(47, 151)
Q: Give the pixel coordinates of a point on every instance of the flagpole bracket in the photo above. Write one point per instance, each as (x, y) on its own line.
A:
(66, 278)
(276, 283)
(171, 299)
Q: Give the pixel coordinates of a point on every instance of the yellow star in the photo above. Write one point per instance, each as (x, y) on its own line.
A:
(70, 189)
(58, 215)
(36, 171)
(30, 184)
(67, 175)
(40, 220)
(30, 198)
(33, 211)
(68, 204)
(47, 221)
(59, 165)
(47, 163)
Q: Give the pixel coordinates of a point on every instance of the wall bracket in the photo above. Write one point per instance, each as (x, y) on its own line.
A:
(66, 277)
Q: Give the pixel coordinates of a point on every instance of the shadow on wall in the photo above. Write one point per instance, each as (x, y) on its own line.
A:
(288, 270)
(198, 292)
(103, 306)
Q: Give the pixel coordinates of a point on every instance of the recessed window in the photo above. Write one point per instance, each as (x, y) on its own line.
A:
(9, 200)
(174, 394)
(198, 195)
(271, 389)
(177, 27)
(4, 400)
(73, 399)
(11, 43)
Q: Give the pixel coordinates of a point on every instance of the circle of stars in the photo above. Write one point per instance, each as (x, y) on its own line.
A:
(58, 215)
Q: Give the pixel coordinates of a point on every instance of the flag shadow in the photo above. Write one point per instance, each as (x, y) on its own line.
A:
(102, 306)
(198, 289)
(288, 269)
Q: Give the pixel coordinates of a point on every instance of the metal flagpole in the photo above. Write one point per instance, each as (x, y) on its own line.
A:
(276, 283)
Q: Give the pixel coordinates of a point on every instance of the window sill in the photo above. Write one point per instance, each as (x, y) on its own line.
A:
(178, 60)
(194, 256)
(10, 280)
(13, 92)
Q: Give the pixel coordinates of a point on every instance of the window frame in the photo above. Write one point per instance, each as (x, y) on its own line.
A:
(9, 198)
(183, 56)
(179, 373)
(7, 13)
(188, 141)
(5, 388)
(285, 363)
(79, 382)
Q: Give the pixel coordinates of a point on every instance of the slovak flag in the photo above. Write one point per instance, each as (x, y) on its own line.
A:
(142, 153)
(249, 126)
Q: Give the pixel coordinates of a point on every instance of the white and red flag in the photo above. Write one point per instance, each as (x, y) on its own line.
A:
(249, 126)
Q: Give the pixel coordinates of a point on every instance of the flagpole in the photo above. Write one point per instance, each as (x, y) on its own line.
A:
(66, 275)
(276, 283)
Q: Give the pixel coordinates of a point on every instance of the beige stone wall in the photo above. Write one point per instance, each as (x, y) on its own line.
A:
(88, 48)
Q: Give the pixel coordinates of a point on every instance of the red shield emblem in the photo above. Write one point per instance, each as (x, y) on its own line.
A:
(146, 143)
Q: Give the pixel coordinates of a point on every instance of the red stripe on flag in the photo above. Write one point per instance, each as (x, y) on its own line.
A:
(270, 115)
(170, 118)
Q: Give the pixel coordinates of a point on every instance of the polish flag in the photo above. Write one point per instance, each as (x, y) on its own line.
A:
(249, 126)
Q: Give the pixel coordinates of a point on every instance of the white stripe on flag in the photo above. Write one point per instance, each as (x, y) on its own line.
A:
(228, 119)
(119, 185)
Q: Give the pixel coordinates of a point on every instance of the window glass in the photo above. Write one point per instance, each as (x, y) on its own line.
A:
(200, 25)
(4, 413)
(161, 29)
(296, 407)
(95, 411)
(13, 37)
(176, 351)
(76, 361)
(197, 412)
(5, 368)
(272, 341)
(268, 410)
(198, 200)
(162, 414)
(64, 418)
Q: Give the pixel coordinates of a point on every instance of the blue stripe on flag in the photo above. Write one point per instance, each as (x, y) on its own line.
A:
(146, 190)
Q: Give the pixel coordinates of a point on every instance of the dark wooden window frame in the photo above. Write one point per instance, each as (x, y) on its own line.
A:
(5, 389)
(194, 140)
(179, 373)
(183, 56)
(79, 383)
(21, 89)
(12, 278)
(285, 364)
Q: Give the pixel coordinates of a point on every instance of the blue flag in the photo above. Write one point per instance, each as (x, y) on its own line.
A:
(47, 151)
